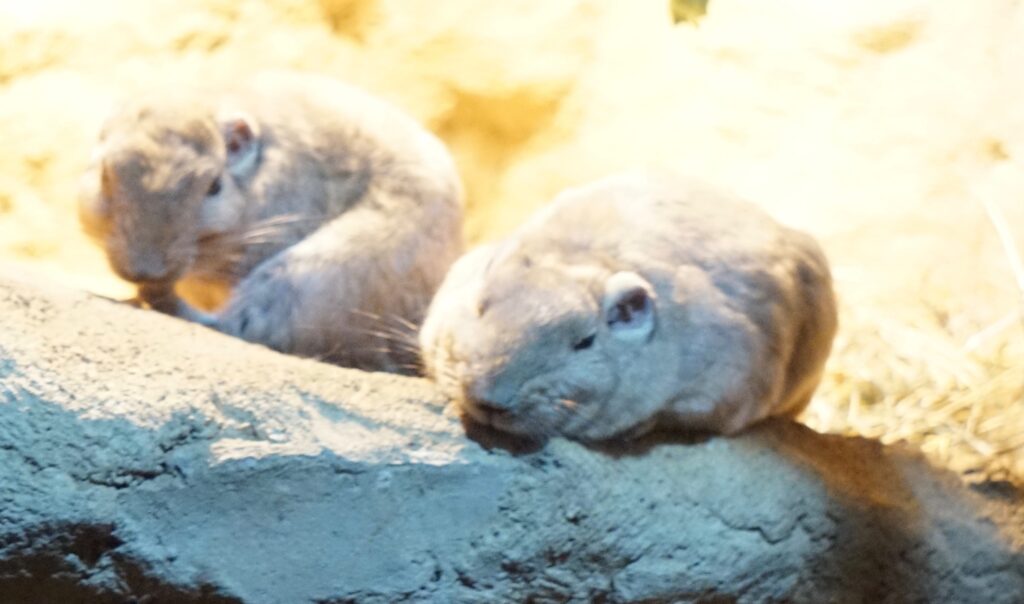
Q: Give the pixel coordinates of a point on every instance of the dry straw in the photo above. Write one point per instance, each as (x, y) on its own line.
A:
(960, 399)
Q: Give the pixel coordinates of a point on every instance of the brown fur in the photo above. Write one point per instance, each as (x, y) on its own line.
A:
(739, 319)
(333, 229)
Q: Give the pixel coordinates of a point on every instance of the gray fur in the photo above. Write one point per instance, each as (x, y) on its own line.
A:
(334, 228)
(742, 320)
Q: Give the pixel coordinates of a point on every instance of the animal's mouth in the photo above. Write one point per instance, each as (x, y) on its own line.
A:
(524, 418)
(155, 290)
(505, 418)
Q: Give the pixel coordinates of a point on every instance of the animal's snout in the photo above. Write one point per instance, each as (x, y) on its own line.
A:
(146, 266)
(492, 407)
(489, 396)
(147, 273)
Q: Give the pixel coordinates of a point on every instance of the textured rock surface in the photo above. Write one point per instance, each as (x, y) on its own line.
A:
(142, 457)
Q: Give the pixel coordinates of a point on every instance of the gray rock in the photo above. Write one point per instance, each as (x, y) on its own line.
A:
(146, 459)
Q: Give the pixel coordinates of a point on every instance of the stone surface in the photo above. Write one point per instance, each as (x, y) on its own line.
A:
(145, 458)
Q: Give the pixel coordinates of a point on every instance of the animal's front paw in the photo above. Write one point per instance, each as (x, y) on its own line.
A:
(163, 299)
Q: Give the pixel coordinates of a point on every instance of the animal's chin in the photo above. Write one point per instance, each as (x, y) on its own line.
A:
(165, 282)
(155, 289)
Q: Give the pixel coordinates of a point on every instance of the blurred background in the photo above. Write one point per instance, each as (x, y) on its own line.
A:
(893, 130)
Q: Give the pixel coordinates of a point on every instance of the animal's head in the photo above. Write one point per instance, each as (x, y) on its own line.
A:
(165, 173)
(538, 348)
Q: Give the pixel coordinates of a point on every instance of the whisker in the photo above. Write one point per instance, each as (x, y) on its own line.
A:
(368, 314)
(392, 337)
(407, 323)
(254, 239)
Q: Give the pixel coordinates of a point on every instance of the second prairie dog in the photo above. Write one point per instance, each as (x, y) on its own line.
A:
(331, 214)
(634, 302)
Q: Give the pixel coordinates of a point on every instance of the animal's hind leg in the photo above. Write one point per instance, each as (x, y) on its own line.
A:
(261, 307)
(321, 296)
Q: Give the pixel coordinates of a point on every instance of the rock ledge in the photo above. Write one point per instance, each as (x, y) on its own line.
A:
(145, 458)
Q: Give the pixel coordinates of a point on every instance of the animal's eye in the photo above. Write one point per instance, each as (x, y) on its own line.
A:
(214, 187)
(585, 343)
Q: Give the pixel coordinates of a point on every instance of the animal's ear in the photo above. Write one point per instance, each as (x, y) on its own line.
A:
(241, 142)
(629, 307)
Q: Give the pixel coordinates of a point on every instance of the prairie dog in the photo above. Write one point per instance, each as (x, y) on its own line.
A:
(637, 301)
(331, 214)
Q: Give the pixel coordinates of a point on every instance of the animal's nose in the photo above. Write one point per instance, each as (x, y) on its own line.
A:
(482, 395)
(143, 274)
(141, 267)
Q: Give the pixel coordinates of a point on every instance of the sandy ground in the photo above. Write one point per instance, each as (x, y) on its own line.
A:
(886, 128)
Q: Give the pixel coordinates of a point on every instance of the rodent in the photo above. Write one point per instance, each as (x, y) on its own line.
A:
(643, 300)
(330, 214)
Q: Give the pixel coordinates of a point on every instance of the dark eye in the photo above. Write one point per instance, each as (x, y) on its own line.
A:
(214, 187)
(585, 343)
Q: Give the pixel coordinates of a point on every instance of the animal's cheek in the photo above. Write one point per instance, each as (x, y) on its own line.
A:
(442, 370)
(432, 341)
(596, 380)
(95, 216)
(99, 229)
(89, 186)
(116, 247)
(183, 248)
(219, 213)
